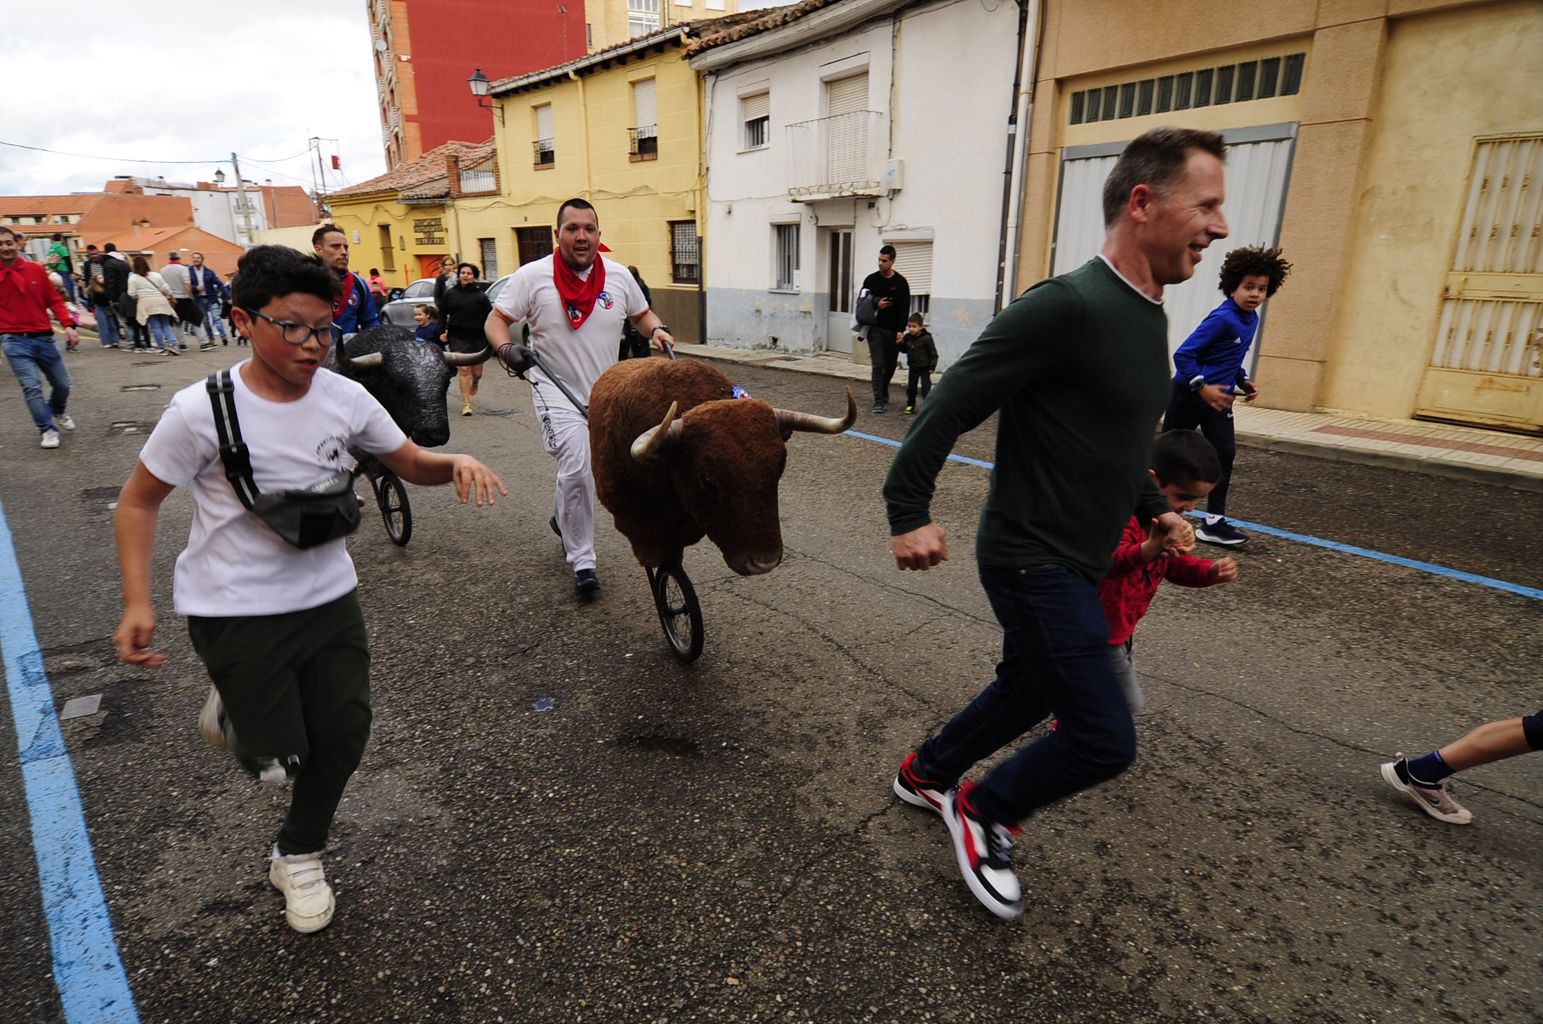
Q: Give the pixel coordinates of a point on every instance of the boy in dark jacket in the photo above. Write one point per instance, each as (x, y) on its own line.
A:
(921, 356)
(1185, 468)
(1209, 371)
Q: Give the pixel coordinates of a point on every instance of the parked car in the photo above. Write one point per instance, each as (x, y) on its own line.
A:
(399, 312)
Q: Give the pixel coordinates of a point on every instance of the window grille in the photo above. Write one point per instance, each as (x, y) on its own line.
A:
(1202, 87)
(787, 257)
(685, 252)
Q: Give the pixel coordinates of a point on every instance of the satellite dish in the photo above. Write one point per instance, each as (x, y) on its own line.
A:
(380, 46)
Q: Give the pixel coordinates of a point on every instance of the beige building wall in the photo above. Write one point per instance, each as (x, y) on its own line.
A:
(1447, 78)
(1393, 93)
(606, 21)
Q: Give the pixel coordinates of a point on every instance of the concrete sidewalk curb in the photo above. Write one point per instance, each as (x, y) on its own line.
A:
(1336, 451)
(1429, 465)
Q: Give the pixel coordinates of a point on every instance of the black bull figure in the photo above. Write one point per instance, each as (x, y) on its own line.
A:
(407, 377)
(676, 457)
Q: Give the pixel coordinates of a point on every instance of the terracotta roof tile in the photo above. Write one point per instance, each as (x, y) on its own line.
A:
(22, 206)
(420, 171)
(762, 22)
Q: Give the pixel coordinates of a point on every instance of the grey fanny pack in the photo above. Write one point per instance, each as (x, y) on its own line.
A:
(304, 516)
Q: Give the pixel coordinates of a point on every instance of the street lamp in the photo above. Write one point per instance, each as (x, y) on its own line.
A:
(219, 176)
(479, 87)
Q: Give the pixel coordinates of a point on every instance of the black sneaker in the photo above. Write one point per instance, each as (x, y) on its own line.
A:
(1221, 532)
(916, 791)
(207, 346)
(586, 583)
(984, 851)
(879, 407)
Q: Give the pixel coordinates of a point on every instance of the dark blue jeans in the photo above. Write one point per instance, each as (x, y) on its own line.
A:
(1055, 661)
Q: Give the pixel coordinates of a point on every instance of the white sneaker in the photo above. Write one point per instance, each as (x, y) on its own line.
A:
(308, 902)
(50, 439)
(64, 421)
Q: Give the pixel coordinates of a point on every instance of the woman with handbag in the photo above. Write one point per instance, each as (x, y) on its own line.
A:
(152, 305)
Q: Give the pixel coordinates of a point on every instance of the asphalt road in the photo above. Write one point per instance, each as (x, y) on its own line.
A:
(718, 842)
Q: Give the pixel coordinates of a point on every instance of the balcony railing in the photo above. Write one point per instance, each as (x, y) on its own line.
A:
(643, 142)
(836, 156)
(546, 152)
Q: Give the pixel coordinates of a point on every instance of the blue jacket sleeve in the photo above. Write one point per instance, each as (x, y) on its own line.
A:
(1187, 360)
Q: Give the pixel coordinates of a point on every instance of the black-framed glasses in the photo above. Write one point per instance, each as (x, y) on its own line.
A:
(296, 333)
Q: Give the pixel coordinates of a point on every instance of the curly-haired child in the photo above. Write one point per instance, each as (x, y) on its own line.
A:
(1209, 371)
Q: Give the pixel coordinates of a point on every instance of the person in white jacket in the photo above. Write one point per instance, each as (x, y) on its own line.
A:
(152, 305)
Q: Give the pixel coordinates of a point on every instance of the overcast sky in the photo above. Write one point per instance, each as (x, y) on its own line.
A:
(196, 81)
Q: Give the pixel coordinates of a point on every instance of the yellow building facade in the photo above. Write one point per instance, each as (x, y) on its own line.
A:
(621, 129)
(609, 23)
(1393, 148)
(443, 203)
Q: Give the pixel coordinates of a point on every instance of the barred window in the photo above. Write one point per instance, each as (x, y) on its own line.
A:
(685, 252)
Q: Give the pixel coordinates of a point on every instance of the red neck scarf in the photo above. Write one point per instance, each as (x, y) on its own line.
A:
(344, 296)
(578, 295)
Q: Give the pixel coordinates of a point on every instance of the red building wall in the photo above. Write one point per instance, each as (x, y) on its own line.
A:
(451, 38)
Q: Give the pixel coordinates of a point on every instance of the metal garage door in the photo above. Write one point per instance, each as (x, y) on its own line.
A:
(1258, 170)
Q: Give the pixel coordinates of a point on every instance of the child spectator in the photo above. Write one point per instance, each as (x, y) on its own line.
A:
(921, 356)
(1423, 779)
(1209, 371)
(1185, 468)
(279, 629)
(427, 319)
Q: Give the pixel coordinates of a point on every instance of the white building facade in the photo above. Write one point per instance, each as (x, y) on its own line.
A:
(216, 209)
(859, 124)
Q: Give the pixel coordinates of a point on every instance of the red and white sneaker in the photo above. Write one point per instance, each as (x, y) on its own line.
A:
(916, 791)
(984, 851)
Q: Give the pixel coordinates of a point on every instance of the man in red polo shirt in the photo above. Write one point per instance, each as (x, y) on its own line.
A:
(26, 296)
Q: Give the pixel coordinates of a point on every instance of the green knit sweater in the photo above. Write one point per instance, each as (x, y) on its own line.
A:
(1078, 366)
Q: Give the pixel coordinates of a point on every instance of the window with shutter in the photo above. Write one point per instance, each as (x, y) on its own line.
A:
(545, 148)
(645, 118)
(847, 95)
(913, 261)
(755, 111)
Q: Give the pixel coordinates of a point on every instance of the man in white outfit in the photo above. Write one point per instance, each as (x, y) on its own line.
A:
(574, 302)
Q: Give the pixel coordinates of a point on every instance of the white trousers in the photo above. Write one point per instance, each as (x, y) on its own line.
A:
(565, 436)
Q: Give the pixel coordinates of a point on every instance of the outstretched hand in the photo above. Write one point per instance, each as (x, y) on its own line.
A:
(1224, 570)
(1178, 536)
(473, 479)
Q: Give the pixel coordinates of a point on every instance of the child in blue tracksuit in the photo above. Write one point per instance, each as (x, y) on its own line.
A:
(1209, 371)
(427, 319)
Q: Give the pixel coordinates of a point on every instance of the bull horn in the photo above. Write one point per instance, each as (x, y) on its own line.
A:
(652, 441)
(368, 361)
(467, 358)
(789, 421)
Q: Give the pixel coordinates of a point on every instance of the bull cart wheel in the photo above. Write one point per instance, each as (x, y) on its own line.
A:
(679, 612)
(394, 508)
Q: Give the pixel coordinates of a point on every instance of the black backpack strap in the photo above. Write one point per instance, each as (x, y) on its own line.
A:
(233, 451)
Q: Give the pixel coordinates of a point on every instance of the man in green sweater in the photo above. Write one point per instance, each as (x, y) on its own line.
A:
(1078, 368)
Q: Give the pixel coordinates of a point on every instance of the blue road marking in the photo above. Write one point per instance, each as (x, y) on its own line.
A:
(1534, 593)
(87, 968)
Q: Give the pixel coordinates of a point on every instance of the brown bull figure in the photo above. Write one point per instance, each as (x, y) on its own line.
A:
(676, 458)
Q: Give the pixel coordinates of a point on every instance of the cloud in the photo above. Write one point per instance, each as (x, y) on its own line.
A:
(168, 83)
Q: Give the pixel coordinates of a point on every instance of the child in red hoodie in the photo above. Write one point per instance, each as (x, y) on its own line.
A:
(1185, 468)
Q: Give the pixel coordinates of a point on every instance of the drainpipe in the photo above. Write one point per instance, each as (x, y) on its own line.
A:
(583, 126)
(1029, 29)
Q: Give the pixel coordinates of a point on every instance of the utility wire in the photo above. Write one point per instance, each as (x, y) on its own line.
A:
(135, 160)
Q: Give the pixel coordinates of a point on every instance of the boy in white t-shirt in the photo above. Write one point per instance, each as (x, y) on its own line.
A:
(574, 302)
(279, 628)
